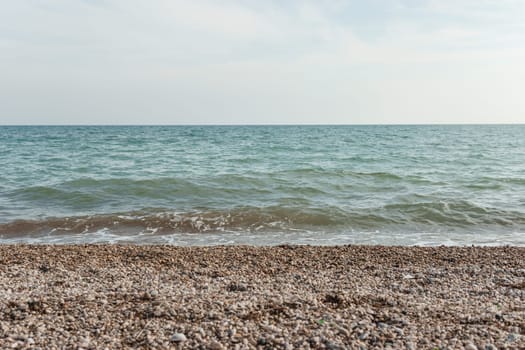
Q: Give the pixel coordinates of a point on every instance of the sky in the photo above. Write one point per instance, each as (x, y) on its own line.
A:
(262, 62)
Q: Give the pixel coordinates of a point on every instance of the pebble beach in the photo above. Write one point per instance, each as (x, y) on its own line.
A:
(244, 297)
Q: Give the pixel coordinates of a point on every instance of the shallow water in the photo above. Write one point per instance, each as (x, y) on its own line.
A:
(202, 185)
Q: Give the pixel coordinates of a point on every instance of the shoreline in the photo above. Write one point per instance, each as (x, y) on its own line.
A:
(333, 297)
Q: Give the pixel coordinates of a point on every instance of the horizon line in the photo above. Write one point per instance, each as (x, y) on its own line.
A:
(272, 124)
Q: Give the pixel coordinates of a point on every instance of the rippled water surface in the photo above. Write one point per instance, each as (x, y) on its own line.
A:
(264, 184)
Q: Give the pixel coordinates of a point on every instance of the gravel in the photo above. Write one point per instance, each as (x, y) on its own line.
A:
(241, 297)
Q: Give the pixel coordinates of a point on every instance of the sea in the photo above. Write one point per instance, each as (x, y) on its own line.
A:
(422, 185)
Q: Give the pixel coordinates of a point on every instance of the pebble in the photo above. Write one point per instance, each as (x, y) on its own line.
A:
(382, 325)
(363, 336)
(511, 338)
(215, 345)
(399, 331)
(178, 338)
(471, 346)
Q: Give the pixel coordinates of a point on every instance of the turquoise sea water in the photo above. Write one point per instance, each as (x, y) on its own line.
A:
(263, 184)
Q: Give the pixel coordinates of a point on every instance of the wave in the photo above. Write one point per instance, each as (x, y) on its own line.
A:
(408, 217)
(147, 188)
(303, 183)
(247, 219)
(456, 214)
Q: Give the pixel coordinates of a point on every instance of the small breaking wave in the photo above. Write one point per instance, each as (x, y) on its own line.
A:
(438, 216)
(247, 219)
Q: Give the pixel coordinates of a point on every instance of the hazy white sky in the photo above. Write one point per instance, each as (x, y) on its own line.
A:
(253, 61)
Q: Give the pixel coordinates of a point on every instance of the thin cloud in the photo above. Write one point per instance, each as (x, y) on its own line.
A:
(312, 61)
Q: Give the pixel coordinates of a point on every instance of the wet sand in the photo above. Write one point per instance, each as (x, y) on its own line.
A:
(119, 296)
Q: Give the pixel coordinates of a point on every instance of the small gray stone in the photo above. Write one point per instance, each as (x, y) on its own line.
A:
(399, 331)
(178, 338)
(511, 338)
(363, 336)
(382, 325)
